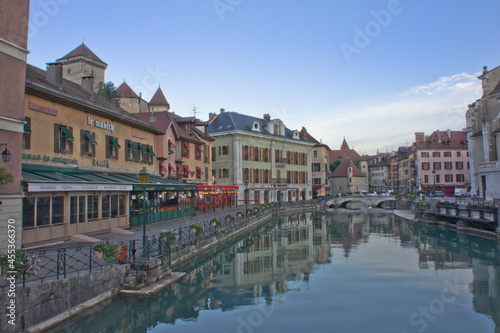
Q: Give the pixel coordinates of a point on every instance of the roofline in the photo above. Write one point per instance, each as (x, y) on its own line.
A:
(269, 137)
(36, 90)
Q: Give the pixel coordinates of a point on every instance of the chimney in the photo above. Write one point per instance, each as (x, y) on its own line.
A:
(419, 137)
(54, 72)
(222, 111)
(211, 116)
(139, 103)
(88, 84)
(267, 117)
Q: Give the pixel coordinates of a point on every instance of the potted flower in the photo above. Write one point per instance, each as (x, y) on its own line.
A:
(249, 211)
(239, 214)
(169, 236)
(256, 210)
(229, 217)
(216, 222)
(24, 263)
(197, 228)
(106, 250)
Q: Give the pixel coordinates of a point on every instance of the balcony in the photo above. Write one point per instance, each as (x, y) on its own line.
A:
(280, 162)
(281, 181)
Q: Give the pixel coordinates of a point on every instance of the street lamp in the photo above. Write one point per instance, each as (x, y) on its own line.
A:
(5, 153)
(434, 176)
(144, 177)
(246, 195)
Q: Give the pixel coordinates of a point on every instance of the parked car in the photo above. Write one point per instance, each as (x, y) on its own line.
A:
(437, 194)
(462, 192)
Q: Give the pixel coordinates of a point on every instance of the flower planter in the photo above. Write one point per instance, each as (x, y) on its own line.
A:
(98, 255)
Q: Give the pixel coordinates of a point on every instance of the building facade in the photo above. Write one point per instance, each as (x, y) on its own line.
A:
(274, 160)
(483, 135)
(13, 55)
(81, 157)
(442, 161)
(348, 179)
(319, 166)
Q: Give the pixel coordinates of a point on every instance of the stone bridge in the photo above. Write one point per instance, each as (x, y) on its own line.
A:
(374, 201)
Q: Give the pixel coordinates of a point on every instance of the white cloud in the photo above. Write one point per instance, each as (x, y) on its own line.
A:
(437, 105)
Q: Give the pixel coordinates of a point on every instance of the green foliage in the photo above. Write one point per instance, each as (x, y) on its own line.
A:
(109, 250)
(21, 262)
(240, 214)
(216, 222)
(334, 165)
(5, 177)
(422, 201)
(229, 217)
(197, 228)
(108, 91)
(169, 236)
(249, 211)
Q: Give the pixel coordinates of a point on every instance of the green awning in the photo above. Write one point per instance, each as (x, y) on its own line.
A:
(141, 147)
(67, 133)
(115, 143)
(150, 150)
(91, 138)
(27, 129)
(132, 145)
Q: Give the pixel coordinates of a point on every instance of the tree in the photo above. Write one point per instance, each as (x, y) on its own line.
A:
(5, 177)
(356, 164)
(108, 91)
(334, 165)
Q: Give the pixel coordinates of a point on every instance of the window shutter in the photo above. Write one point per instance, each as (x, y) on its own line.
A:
(108, 143)
(70, 129)
(220, 148)
(27, 143)
(82, 142)
(127, 150)
(56, 138)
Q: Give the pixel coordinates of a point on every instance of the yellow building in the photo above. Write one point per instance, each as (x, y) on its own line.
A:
(81, 158)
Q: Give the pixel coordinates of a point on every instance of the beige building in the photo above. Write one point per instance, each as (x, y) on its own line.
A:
(347, 179)
(483, 136)
(319, 166)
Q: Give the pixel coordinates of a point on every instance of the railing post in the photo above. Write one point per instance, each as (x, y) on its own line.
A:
(90, 258)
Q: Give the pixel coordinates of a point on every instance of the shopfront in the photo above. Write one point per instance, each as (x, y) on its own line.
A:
(211, 197)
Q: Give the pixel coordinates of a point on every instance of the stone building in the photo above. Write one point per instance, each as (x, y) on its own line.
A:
(83, 63)
(348, 179)
(274, 159)
(319, 165)
(483, 136)
(13, 55)
(129, 100)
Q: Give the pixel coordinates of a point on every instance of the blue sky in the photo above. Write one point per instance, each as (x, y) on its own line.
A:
(373, 71)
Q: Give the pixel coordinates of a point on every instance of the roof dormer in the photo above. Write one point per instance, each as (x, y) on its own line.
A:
(296, 134)
(256, 126)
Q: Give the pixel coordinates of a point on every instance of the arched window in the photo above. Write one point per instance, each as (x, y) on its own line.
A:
(245, 153)
(225, 173)
(256, 155)
(256, 176)
(266, 155)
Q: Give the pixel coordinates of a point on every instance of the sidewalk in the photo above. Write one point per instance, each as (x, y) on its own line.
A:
(152, 228)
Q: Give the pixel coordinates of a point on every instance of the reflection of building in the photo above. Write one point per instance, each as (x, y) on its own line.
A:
(348, 230)
(274, 159)
(13, 54)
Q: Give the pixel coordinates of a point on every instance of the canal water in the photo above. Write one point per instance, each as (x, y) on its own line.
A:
(330, 271)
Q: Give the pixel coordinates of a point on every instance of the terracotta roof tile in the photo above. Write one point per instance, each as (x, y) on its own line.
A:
(82, 51)
(125, 91)
(159, 98)
(342, 169)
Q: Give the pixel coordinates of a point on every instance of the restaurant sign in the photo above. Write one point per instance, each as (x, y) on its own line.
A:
(51, 187)
(45, 158)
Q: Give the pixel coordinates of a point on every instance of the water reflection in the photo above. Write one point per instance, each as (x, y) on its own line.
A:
(264, 265)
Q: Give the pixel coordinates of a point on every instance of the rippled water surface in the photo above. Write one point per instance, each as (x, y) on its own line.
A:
(331, 271)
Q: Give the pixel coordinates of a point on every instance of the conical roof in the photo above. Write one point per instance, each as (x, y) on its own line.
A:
(342, 169)
(82, 51)
(344, 145)
(159, 99)
(125, 91)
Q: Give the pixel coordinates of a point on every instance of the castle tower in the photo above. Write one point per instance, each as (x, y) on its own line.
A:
(158, 102)
(83, 62)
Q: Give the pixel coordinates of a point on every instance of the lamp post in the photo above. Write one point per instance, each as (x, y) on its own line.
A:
(144, 177)
(434, 176)
(246, 196)
(5, 154)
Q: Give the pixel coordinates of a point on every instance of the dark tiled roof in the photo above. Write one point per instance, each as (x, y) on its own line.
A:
(125, 91)
(82, 51)
(444, 140)
(159, 98)
(496, 90)
(342, 169)
(38, 82)
(233, 121)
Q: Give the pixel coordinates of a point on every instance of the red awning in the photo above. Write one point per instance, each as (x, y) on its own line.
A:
(185, 168)
(171, 167)
(186, 144)
(198, 148)
(317, 187)
(171, 142)
(163, 167)
(199, 170)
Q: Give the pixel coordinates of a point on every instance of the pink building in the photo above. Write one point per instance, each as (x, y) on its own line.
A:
(442, 161)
